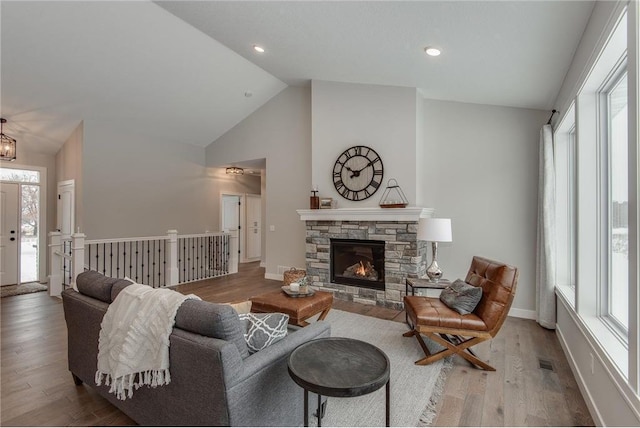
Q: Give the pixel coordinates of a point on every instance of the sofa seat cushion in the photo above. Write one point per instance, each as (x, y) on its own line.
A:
(432, 312)
(213, 320)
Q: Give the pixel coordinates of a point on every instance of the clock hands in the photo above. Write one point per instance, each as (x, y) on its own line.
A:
(357, 172)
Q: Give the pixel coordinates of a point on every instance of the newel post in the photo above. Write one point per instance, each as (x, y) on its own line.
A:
(233, 251)
(172, 258)
(55, 267)
(77, 256)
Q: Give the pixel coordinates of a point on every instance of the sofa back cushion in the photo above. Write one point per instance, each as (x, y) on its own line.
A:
(96, 285)
(213, 320)
(207, 319)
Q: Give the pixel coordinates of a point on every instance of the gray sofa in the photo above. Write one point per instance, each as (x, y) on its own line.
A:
(214, 380)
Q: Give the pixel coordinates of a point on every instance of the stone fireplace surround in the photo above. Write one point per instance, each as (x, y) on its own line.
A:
(405, 256)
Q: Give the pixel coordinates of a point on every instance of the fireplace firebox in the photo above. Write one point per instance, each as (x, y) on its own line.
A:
(357, 262)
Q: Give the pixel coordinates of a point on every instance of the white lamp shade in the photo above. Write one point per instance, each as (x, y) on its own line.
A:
(435, 229)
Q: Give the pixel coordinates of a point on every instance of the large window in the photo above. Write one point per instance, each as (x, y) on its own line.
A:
(617, 202)
(566, 196)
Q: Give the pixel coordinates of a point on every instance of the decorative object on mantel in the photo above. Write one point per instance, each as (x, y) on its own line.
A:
(293, 275)
(434, 230)
(314, 199)
(393, 196)
(325, 203)
(235, 170)
(7, 144)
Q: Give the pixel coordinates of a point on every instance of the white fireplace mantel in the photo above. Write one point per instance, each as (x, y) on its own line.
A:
(366, 214)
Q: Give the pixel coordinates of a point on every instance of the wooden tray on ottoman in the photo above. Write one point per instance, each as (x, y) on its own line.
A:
(298, 309)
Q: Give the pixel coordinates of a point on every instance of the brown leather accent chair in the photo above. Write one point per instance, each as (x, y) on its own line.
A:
(458, 333)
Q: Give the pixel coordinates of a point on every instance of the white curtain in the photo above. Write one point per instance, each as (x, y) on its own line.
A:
(546, 248)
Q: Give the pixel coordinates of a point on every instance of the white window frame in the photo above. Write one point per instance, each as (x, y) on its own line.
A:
(604, 304)
(566, 203)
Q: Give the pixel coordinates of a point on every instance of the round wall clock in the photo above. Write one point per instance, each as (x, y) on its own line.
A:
(357, 173)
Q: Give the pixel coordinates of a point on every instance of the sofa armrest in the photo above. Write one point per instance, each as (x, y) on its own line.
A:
(264, 394)
(281, 349)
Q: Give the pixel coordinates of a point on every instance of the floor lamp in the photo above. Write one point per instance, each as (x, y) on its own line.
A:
(434, 230)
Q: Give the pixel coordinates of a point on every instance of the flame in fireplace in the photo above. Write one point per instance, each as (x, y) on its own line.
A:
(361, 270)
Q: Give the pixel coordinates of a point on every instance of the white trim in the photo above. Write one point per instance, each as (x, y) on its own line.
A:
(366, 214)
(274, 276)
(43, 261)
(522, 313)
(263, 264)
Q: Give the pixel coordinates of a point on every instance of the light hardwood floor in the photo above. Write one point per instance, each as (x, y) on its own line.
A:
(37, 388)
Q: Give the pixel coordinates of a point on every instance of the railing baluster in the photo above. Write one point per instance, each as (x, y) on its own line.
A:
(199, 257)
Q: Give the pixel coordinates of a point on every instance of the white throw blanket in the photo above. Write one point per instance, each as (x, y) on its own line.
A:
(133, 349)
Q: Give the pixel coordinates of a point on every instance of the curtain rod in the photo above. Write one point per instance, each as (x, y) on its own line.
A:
(554, 111)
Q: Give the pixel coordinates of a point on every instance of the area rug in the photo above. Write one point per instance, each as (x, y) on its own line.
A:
(415, 390)
(14, 290)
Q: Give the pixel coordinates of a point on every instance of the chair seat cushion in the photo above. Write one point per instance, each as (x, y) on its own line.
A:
(427, 311)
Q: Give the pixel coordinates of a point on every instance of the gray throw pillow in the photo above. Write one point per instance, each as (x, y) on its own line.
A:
(461, 297)
(262, 330)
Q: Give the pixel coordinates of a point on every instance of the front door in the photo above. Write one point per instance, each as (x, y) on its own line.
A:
(9, 232)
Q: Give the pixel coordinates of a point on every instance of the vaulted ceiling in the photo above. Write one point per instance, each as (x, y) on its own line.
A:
(186, 71)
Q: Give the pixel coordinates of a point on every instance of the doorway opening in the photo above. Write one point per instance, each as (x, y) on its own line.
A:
(21, 230)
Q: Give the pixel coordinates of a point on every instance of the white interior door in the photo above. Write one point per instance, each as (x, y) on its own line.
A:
(253, 227)
(230, 218)
(9, 233)
(66, 204)
(230, 213)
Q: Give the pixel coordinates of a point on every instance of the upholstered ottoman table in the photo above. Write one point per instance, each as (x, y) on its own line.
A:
(299, 309)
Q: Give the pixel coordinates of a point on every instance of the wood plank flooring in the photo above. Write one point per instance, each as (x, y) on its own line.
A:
(37, 389)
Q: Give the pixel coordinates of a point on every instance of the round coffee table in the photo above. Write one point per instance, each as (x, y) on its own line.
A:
(339, 367)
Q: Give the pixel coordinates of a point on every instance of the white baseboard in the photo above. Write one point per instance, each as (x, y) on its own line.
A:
(275, 276)
(522, 313)
(263, 264)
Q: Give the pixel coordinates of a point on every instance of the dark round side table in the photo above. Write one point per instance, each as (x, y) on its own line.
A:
(339, 367)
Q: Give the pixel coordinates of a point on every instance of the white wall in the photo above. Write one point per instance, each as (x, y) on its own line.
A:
(69, 167)
(280, 132)
(135, 185)
(381, 117)
(484, 168)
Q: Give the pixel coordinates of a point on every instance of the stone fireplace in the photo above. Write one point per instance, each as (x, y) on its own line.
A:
(365, 240)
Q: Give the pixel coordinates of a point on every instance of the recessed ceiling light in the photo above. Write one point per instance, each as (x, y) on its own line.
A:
(258, 49)
(431, 51)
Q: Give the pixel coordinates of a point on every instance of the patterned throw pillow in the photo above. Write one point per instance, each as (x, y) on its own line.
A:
(461, 297)
(262, 330)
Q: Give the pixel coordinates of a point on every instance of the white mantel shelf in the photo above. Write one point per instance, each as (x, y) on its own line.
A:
(366, 214)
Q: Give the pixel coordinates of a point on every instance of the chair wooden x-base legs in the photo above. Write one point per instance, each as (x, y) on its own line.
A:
(453, 344)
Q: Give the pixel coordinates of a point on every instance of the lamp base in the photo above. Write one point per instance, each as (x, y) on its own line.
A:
(433, 271)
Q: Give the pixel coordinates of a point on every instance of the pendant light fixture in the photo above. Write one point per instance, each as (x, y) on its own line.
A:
(235, 170)
(7, 144)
